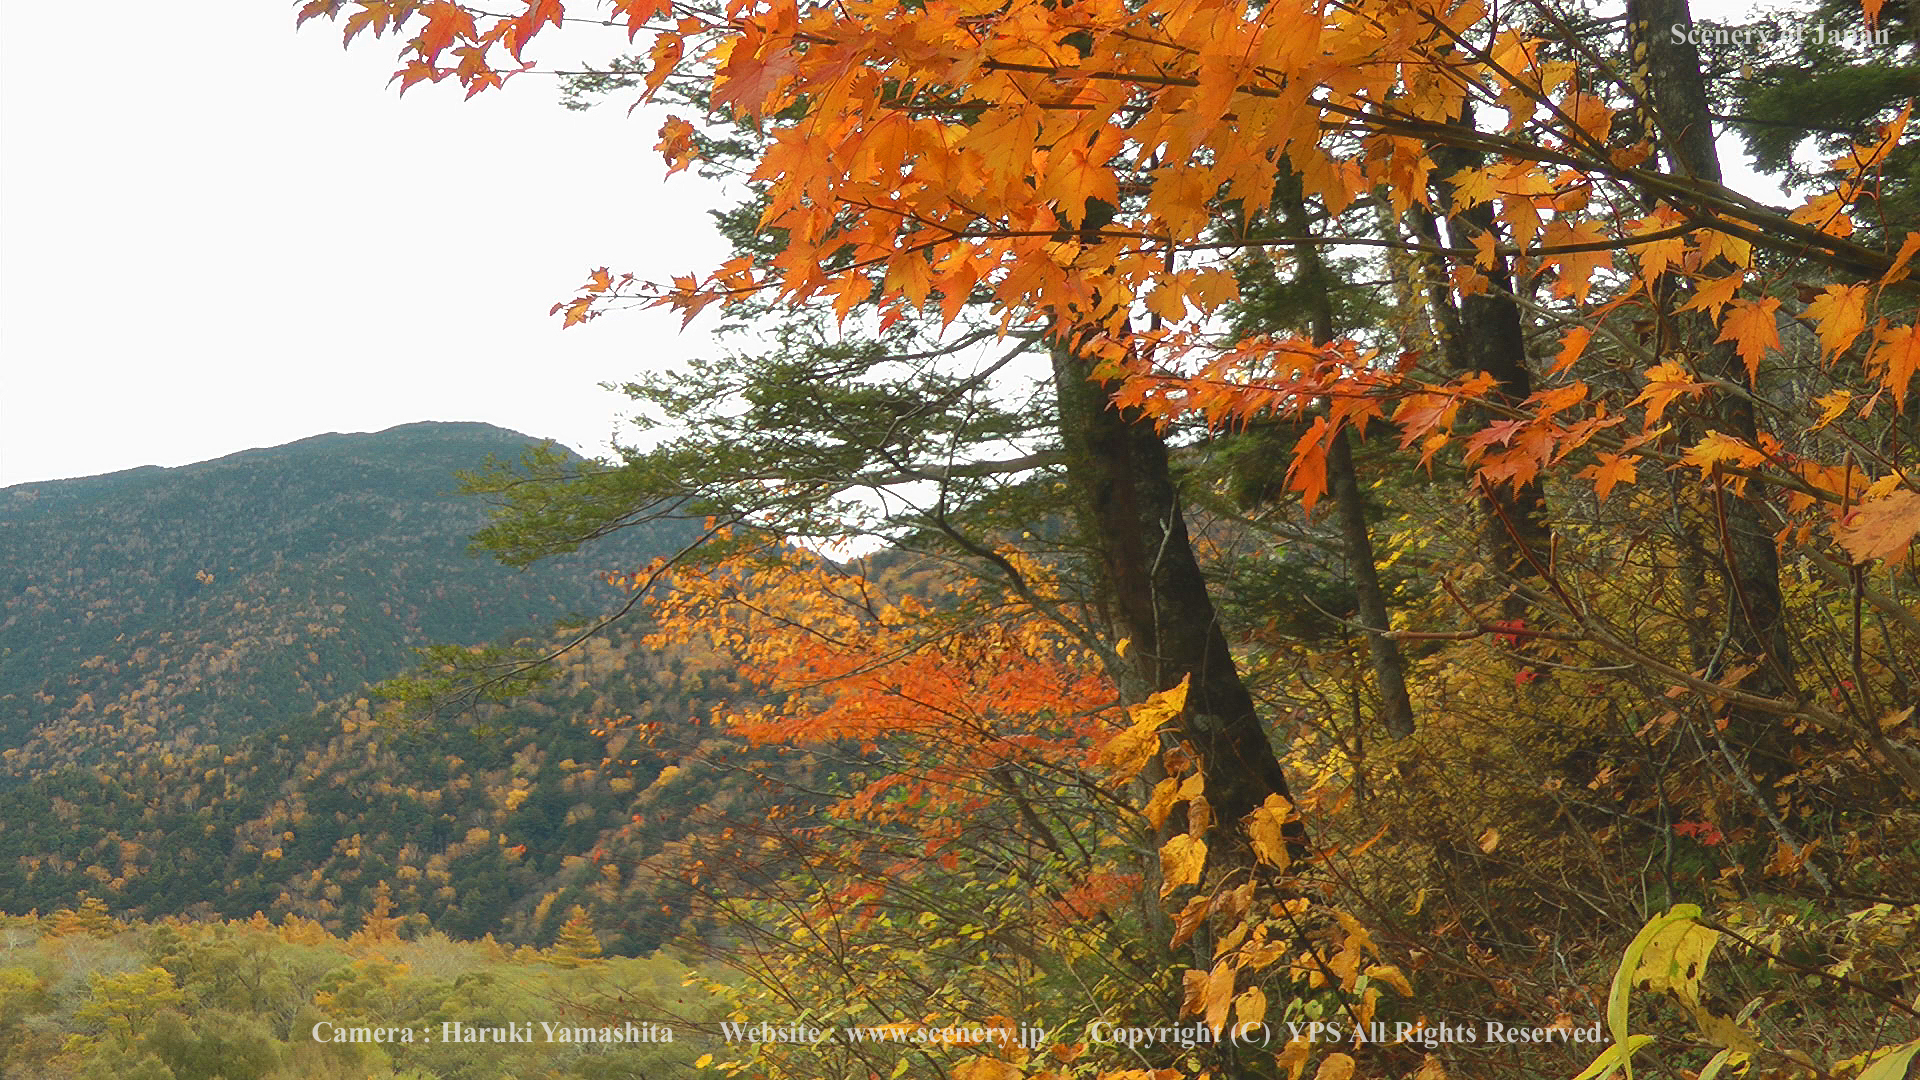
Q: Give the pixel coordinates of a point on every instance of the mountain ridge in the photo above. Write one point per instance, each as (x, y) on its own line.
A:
(186, 656)
(319, 564)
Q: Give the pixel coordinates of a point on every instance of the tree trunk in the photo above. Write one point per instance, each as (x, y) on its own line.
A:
(1667, 72)
(1483, 334)
(1130, 508)
(1389, 666)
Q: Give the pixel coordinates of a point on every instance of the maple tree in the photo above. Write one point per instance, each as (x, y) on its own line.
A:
(1664, 400)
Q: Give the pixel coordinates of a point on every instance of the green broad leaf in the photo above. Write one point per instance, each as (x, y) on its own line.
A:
(1623, 977)
(1716, 1063)
(1891, 1064)
(1614, 1058)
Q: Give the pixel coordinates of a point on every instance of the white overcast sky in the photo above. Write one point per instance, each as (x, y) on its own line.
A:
(217, 233)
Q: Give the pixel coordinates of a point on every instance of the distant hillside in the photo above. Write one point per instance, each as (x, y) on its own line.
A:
(185, 713)
(484, 824)
(181, 607)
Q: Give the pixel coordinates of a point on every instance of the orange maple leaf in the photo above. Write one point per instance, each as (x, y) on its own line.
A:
(1838, 314)
(1749, 325)
(1712, 295)
(1308, 473)
(1571, 346)
(1613, 469)
(676, 144)
(639, 11)
(1576, 267)
(1883, 528)
(1898, 270)
(1666, 381)
(1721, 448)
(1828, 213)
(1897, 356)
(1657, 255)
(447, 22)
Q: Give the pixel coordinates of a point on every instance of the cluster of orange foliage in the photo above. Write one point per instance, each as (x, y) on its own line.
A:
(938, 152)
(1079, 166)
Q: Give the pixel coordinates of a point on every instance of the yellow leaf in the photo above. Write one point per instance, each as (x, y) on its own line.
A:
(1181, 861)
(1193, 991)
(1188, 919)
(1831, 406)
(1471, 187)
(1392, 976)
(1161, 802)
(703, 1061)
(1613, 1057)
(1369, 1004)
(1193, 786)
(1675, 959)
(1623, 980)
(1128, 752)
(1336, 1067)
(1721, 1031)
(1293, 1057)
(1217, 998)
(1251, 1006)
(1267, 828)
(1892, 1062)
(985, 1068)
(1489, 840)
(1719, 447)
(1199, 815)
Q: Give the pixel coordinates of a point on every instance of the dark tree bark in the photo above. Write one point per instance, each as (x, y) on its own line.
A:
(1667, 74)
(1389, 666)
(1482, 333)
(1130, 507)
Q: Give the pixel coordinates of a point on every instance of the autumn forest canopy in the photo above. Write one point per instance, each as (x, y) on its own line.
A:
(1298, 520)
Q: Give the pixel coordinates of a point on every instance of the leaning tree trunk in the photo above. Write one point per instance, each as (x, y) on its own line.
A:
(1118, 466)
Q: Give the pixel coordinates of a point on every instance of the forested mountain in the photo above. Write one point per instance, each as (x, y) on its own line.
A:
(188, 724)
(183, 606)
